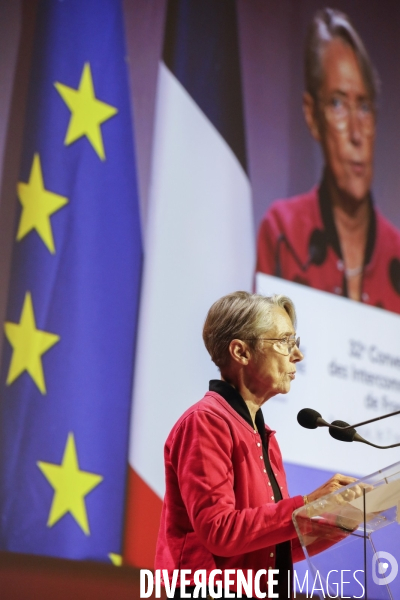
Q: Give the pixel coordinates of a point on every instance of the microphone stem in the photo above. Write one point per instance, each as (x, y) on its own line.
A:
(379, 447)
(397, 412)
(282, 238)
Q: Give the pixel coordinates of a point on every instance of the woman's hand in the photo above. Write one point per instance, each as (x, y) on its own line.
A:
(333, 484)
(347, 516)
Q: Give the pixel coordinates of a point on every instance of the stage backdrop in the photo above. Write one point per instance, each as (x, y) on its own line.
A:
(209, 165)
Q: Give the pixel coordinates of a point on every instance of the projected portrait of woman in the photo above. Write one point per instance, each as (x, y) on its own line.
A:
(334, 238)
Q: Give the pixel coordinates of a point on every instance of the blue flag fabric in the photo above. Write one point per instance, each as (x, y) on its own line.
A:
(66, 374)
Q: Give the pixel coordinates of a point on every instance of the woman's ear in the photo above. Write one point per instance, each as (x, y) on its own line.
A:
(239, 351)
(310, 115)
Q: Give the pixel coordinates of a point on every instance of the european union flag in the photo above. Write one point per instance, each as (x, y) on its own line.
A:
(66, 375)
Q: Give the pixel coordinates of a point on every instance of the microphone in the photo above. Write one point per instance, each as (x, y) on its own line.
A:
(394, 274)
(349, 434)
(317, 247)
(317, 250)
(278, 267)
(308, 417)
(311, 419)
(340, 430)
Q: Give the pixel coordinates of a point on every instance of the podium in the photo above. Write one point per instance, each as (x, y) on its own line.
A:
(351, 539)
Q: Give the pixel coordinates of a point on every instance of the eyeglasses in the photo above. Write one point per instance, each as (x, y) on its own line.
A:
(337, 111)
(285, 345)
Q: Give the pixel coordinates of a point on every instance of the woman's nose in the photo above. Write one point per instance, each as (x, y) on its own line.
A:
(355, 127)
(296, 355)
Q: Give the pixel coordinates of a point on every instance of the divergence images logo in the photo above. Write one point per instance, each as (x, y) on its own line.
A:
(384, 568)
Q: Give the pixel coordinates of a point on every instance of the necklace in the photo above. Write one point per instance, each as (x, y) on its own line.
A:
(353, 272)
(350, 272)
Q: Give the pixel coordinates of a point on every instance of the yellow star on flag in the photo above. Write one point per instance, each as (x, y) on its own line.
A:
(71, 485)
(28, 345)
(38, 204)
(116, 559)
(87, 112)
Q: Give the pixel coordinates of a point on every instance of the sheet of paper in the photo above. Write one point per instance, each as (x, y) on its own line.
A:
(379, 499)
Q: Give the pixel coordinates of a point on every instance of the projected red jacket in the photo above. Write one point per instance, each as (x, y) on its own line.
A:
(295, 219)
(217, 511)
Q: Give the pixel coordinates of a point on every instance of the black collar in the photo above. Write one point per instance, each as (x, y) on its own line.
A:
(235, 400)
(332, 237)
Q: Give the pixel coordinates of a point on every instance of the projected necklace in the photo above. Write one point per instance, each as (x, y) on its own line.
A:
(353, 272)
(349, 272)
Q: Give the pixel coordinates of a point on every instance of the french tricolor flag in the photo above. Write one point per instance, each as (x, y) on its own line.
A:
(199, 244)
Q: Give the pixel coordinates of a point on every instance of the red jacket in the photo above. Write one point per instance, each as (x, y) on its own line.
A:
(296, 218)
(217, 511)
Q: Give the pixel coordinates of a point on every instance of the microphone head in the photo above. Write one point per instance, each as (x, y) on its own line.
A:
(308, 418)
(278, 266)
(342, 436)
(317, 247)
(394, 274)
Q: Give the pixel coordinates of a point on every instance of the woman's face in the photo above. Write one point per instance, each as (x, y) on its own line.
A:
(271, 371)
(344, 122)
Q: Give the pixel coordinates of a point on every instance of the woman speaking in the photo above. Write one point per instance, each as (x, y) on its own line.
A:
(226, 503)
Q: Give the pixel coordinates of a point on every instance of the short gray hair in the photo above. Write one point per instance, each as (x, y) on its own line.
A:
(329, 24)
(242, 316)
